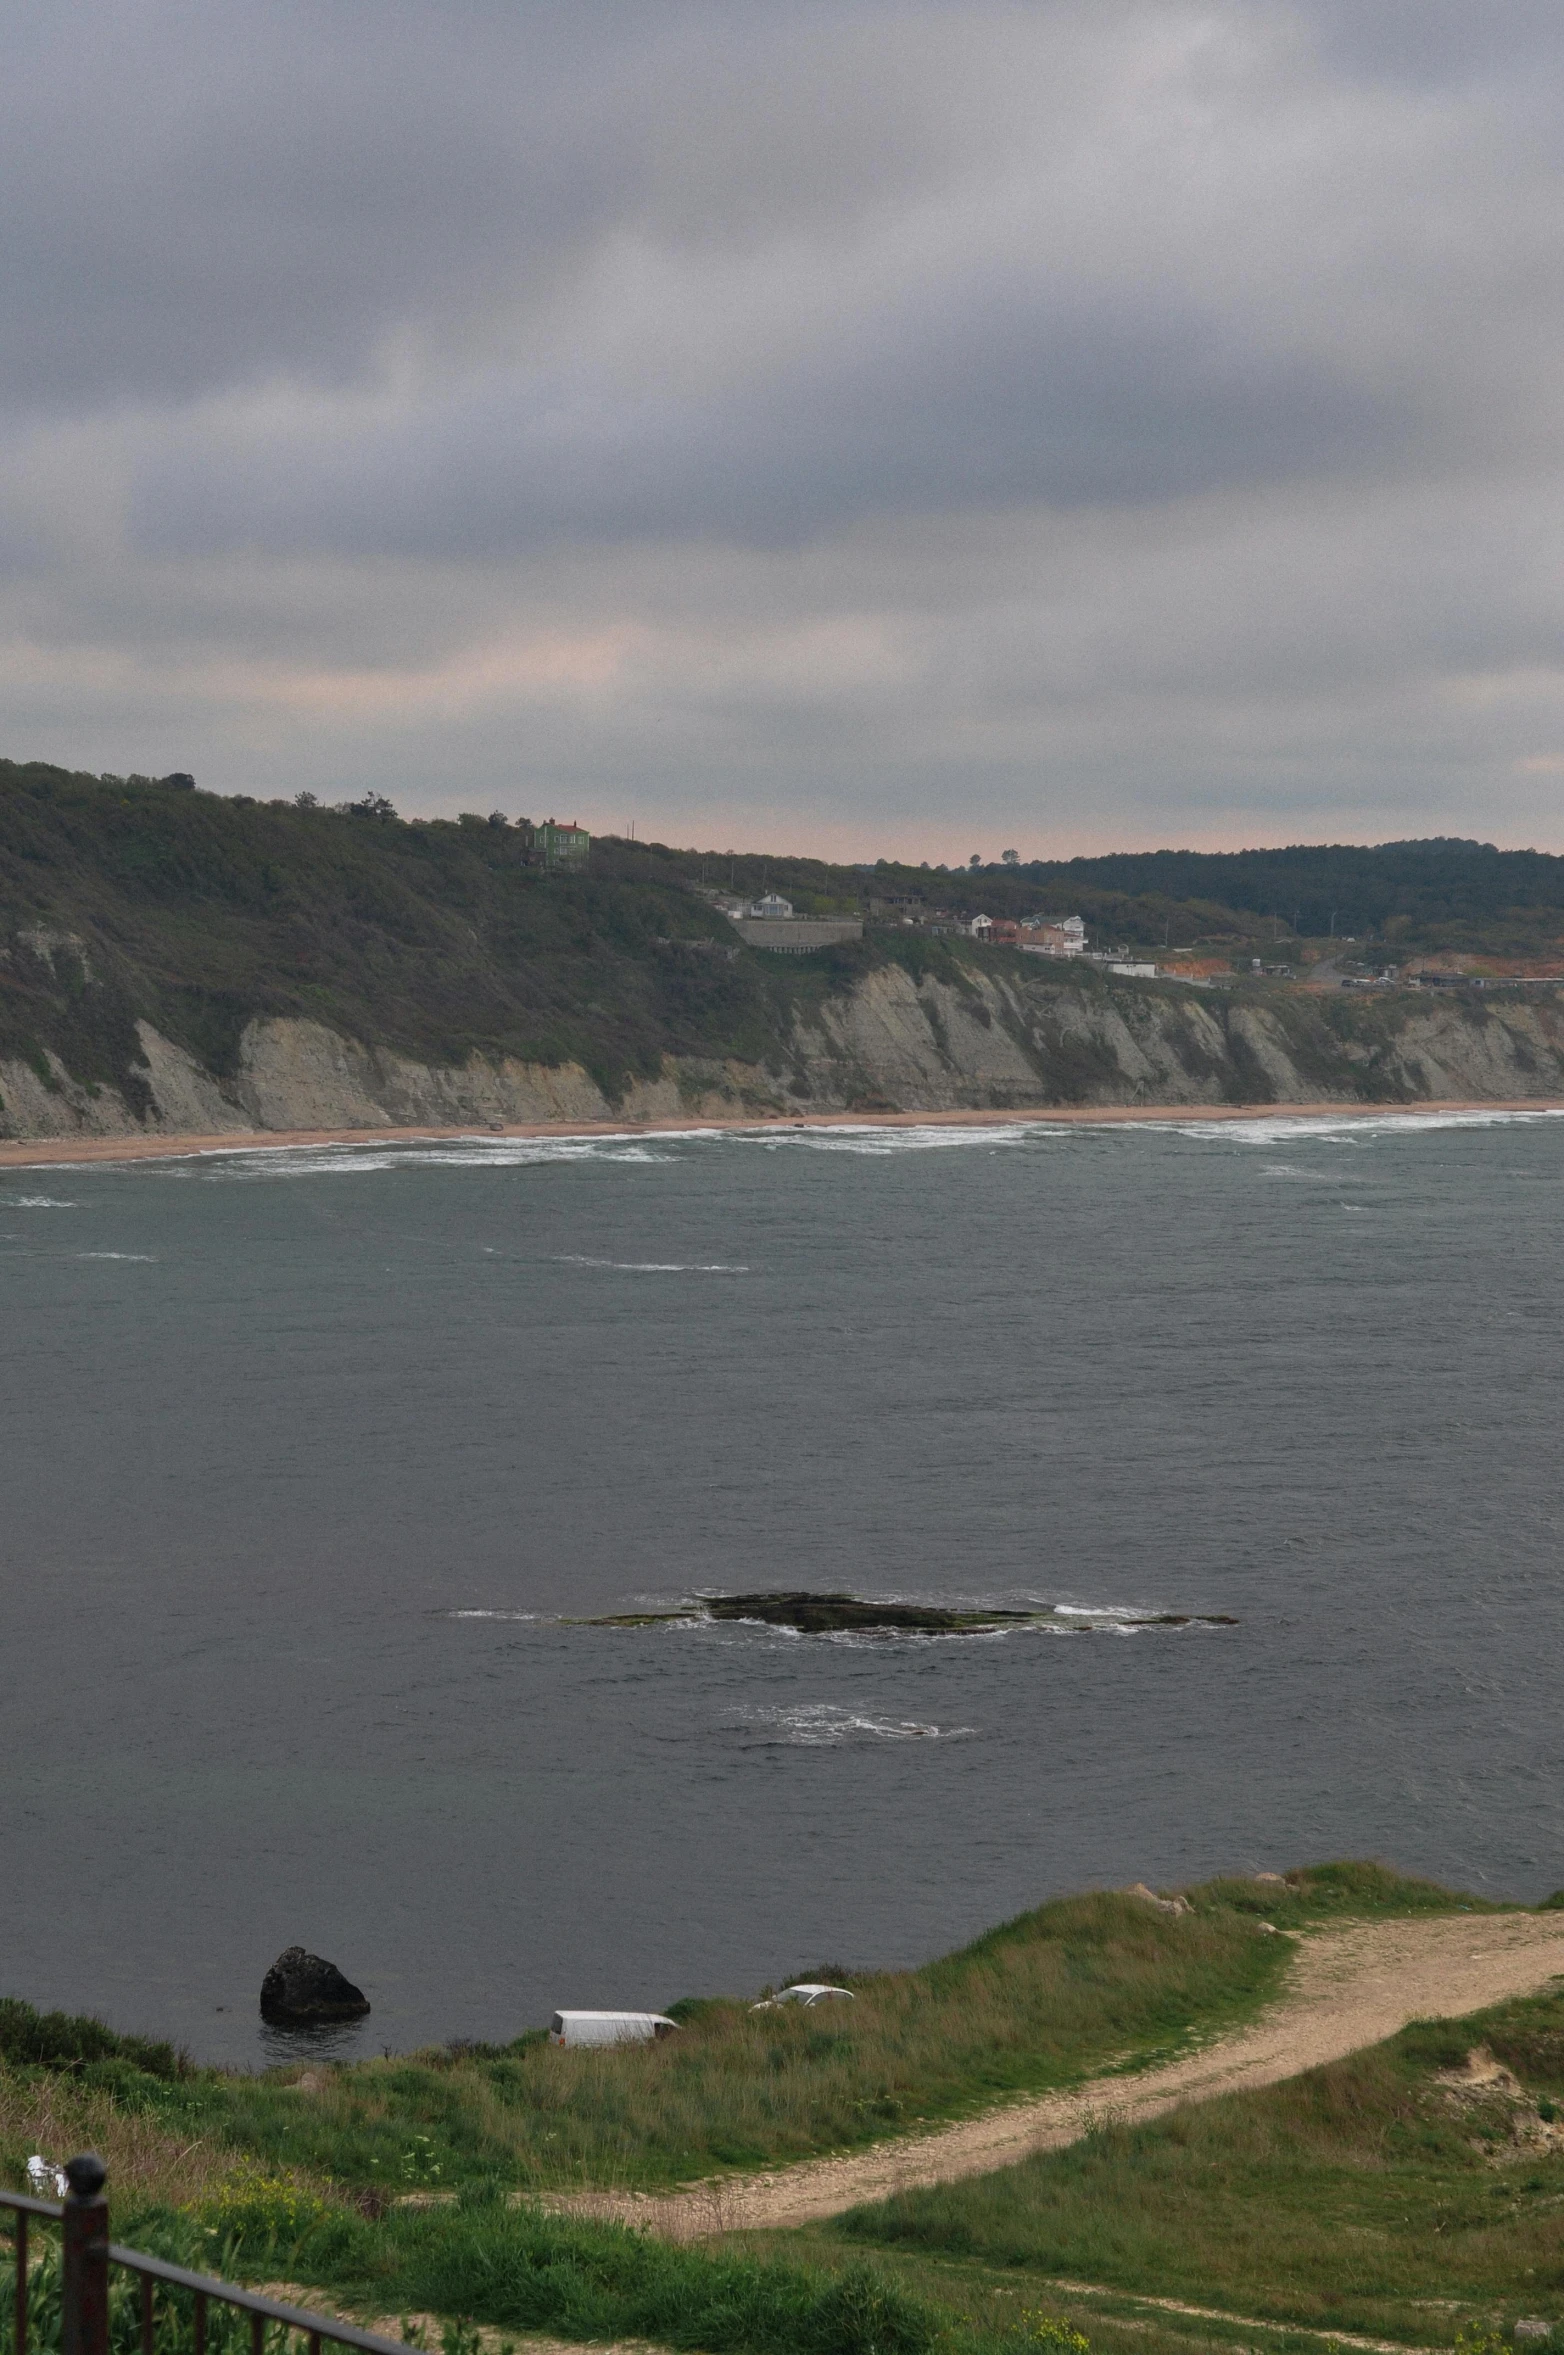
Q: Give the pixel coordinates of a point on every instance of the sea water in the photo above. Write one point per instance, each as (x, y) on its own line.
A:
(313, 1460)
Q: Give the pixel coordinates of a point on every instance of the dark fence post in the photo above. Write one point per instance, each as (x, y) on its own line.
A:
(84, 2279)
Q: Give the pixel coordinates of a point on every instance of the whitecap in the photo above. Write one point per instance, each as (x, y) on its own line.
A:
(879, 1142)
(653, 1267)
(236, 1163)
(1343, 1128)
(816, 1725)
(36, 1202)
(147, 1258)
(477, 1614)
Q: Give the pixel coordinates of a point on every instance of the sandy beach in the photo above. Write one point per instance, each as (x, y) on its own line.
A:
(42, 1152)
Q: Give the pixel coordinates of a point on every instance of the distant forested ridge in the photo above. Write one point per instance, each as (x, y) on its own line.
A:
(1395, 889)
(181, 960)
(1443, 892)
(201, 913)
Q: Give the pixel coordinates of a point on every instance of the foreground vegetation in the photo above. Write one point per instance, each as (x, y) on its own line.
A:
(1398, 2192)
(1081, 1985)
(302, 2175)
(1078, 1985)
(509, 2268)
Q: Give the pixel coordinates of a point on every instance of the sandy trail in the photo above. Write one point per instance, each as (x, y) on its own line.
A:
(1347, 1988)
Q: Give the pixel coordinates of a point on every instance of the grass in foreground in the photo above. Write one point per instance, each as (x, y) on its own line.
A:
(498, 2274)
(508, 2268)
(1388, 2193)
(1079, 1985)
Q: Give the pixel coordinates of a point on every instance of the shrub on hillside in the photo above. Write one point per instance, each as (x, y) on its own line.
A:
(72, 2040)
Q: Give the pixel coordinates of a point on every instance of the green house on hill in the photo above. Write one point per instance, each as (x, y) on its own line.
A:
(562, 846)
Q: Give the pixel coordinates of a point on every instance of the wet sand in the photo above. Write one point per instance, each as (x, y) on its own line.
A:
(45, 1152)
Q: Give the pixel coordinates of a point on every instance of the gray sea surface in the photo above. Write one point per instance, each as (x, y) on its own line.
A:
(309, 1456)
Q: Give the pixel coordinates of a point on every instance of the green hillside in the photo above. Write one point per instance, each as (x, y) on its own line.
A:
(126, 899)
(198, 913)
(1408, 895)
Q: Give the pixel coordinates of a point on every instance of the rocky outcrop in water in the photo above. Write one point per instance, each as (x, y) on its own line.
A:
(301, 1987)
(813, 1614)
(808, 1613)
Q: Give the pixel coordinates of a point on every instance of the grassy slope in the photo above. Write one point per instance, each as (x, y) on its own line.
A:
(268, 2175)
(1364, 2196)
(1079, 1985)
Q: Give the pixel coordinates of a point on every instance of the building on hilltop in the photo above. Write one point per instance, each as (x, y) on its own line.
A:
(1065, 939)
(769, 923)
(562, 846)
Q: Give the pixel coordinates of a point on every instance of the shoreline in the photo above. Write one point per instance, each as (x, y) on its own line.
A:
(60, 1152)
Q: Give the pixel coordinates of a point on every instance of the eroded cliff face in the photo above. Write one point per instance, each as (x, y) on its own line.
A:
(999, 1041)
(990, 1040)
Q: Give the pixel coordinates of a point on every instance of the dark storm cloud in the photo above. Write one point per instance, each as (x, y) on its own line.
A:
(842, 404)
(196, 198)
(983, 400)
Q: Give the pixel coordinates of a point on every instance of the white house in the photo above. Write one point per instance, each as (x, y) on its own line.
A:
(1066, 939)
(771, 906)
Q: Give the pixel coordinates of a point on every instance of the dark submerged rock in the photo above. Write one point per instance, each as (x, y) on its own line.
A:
(302, 1986)
(827, 1614)
(814, 1614)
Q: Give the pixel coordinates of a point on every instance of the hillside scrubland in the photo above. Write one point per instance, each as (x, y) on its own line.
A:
(173, 961)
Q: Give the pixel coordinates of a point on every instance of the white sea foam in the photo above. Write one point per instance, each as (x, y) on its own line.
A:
(242, 1164)
(653, 1267)
(36, 1202)
(476, 1614)
(816, 1725)
(881, 1142)
(1336, 1128)
(147, 1258)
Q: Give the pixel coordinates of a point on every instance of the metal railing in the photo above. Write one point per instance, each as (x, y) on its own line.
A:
(86, 2254)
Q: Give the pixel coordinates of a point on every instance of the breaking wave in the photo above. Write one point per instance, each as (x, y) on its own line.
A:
(1345, 1129)
(1340, 1128)
(477, 1614)
(654, 1267)
(821, 1725)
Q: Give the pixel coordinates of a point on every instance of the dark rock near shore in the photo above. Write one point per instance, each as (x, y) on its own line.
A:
(302, 1986)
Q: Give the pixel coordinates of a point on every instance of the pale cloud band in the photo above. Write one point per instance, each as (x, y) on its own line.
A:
(872, 428)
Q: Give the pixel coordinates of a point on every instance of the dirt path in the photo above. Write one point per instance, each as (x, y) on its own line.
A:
(1347, 1988)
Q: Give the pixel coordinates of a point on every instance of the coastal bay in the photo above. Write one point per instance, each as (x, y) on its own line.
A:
(315, 1447)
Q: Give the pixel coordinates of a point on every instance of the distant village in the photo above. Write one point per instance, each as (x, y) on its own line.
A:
(772, 922)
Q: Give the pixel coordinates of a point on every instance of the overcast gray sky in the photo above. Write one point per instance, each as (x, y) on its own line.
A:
(824, 425)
